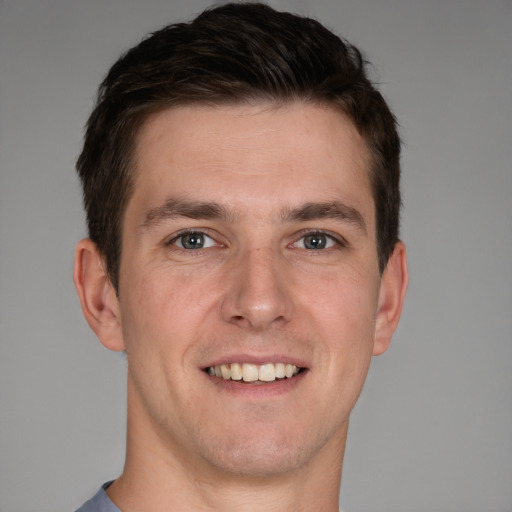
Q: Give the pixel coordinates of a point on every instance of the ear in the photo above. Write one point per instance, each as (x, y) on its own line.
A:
(391, 298)
(98, 297)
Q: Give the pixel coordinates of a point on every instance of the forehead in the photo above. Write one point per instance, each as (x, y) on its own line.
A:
(289, 153)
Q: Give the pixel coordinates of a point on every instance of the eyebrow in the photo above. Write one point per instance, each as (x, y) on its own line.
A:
(327, 210)
(175, 208)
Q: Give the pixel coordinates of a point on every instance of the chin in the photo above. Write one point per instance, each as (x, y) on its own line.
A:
(260, 461)
(262, 453)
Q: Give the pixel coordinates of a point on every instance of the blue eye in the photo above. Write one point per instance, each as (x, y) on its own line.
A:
(316, 241)
(193, 240)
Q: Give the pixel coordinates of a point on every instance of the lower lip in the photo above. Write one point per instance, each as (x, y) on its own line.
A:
(252, 391)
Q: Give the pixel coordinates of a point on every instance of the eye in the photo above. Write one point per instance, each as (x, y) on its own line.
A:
(316, 241)
(193, 240)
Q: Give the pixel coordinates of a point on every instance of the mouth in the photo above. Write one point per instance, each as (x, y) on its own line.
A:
(254, 373)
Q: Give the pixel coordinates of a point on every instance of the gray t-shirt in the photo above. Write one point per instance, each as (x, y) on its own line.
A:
(100, 502)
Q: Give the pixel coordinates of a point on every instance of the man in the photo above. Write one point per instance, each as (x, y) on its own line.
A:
(241, 182)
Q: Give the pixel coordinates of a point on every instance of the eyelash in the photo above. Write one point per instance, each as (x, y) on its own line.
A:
(339, 241)
(172, 241)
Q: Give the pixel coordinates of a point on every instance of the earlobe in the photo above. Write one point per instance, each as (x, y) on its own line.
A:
(98, 299)
(391, 298)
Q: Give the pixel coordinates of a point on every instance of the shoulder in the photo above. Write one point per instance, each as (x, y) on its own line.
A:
(100, 502)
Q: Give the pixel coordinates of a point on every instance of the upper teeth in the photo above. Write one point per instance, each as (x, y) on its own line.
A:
(253, 372)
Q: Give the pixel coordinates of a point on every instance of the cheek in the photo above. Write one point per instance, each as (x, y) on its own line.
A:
(163, 311)
(345, 313)
(160, 322)
(347, 300)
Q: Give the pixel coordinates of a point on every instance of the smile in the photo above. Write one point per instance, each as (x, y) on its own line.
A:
(246, 372)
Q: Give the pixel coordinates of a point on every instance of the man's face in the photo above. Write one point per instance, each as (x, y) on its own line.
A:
(249, 240)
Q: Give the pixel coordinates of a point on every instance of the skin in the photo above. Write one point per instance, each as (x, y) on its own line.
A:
(256, 292)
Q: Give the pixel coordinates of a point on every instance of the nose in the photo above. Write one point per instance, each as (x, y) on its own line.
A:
(257, 293)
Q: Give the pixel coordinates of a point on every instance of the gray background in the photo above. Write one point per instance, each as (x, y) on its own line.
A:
(433, 429)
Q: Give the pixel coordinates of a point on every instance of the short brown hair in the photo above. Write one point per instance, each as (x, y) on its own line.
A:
(233, 53)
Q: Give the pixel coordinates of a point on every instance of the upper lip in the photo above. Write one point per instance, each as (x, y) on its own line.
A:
(257, 360)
